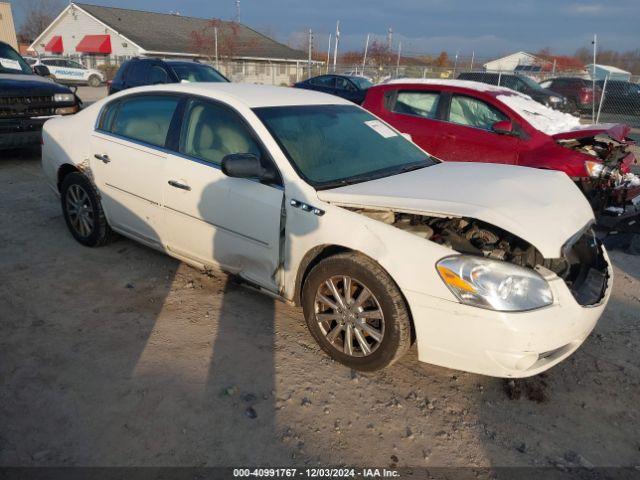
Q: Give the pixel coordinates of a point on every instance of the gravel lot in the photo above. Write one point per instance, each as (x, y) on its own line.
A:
(124, 356)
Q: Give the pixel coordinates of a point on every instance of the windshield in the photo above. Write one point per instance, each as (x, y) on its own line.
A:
(333, 145)
(12, 62)
(361, 82)
(196, 72)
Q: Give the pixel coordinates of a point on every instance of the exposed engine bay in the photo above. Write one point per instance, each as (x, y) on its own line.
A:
(615, 187)
(582, 266)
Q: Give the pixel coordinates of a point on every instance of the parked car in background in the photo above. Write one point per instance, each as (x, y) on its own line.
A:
(463, 121)
(350, 87)
(31, 61)
(67, 71)
(621, 97)
(138, 72)
(522, 84)
(312, 199)
(578, 92)
(27, 100)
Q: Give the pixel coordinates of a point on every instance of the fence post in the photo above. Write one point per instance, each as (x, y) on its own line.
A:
(604, 89)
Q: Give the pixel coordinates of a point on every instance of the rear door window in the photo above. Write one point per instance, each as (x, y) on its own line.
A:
(145, 118)
(137, 74)
(421, 104)
(326, 81)
(472, 112)
(157, 75)
(344, 84)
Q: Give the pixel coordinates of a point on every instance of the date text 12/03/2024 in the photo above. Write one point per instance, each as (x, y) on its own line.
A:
(315, 473)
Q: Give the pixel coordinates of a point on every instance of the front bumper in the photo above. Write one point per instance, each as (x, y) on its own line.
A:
(501, 344)
(21, 132)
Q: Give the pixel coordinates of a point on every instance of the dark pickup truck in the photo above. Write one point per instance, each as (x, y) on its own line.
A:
(27, 100)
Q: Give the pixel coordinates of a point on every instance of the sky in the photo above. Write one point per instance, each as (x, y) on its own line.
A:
(488, 27)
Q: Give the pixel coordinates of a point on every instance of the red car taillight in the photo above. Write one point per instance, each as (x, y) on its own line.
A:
(586, 94)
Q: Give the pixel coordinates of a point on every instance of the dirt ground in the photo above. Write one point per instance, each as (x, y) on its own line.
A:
(123, 356)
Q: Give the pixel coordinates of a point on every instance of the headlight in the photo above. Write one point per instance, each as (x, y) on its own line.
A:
(553, 99)
(594, 169)
(493, 284)
(64, 97)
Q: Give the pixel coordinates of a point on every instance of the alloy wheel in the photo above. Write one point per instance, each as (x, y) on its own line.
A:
(80, 210)
(349, 316)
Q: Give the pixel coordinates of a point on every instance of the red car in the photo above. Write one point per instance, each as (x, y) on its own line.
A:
(464, 121)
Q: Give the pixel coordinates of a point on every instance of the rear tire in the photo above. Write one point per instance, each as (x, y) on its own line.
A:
(365, 335)
(94, 81)
(83, 211)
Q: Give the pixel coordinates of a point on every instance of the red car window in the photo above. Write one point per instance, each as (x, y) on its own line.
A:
(473, 112)
(421, 104)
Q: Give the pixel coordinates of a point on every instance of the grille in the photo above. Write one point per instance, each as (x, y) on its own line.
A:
(26, 106)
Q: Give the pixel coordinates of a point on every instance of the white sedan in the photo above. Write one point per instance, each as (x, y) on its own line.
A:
(488, 268)
(69, 71)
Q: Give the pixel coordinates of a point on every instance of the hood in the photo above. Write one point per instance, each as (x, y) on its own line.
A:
(542, 207)
(617, 131)
(12, 85)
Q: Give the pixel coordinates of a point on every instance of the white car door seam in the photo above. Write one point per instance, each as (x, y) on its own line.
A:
(260, 242)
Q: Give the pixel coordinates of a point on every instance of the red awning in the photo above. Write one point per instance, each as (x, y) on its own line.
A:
(54, 45)
(95, 44)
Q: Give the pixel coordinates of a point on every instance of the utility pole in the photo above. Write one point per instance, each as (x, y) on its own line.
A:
(473, 56)
(455, 64)
(398, 60)
(593, 79)
(310, 50)
(237, 11)
(335, 47)
(364, 59)
(328, 54)
(553, 69)
(215, 37)
(389, 40)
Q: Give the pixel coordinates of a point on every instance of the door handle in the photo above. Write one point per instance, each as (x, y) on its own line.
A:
(104, 157)
(179, 185)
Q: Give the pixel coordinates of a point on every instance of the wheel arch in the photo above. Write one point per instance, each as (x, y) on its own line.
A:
(321, 252)
(64, 170)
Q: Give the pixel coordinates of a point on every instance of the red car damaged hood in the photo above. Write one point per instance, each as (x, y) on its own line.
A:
(617, 131)
(543, 207)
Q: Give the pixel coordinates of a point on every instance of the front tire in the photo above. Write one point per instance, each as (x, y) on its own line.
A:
(83, 211)
(356, 313)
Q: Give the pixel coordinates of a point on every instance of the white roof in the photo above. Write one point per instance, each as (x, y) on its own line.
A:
(609, 68)
(479, 86)
(252, 96)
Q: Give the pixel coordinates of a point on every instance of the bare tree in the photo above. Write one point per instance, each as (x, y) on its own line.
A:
(37, 15)
(228, 44)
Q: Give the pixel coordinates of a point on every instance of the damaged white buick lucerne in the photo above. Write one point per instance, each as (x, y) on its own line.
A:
(488, 268)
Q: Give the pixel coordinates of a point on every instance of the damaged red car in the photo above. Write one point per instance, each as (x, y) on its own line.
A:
(464, 121)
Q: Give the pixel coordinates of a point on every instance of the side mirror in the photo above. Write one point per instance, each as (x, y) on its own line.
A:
(41, 70)
(247, 165)
(504, 127)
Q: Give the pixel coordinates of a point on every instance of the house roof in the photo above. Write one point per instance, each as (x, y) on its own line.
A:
(511, 55)
(609, 68)
(166, 32)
